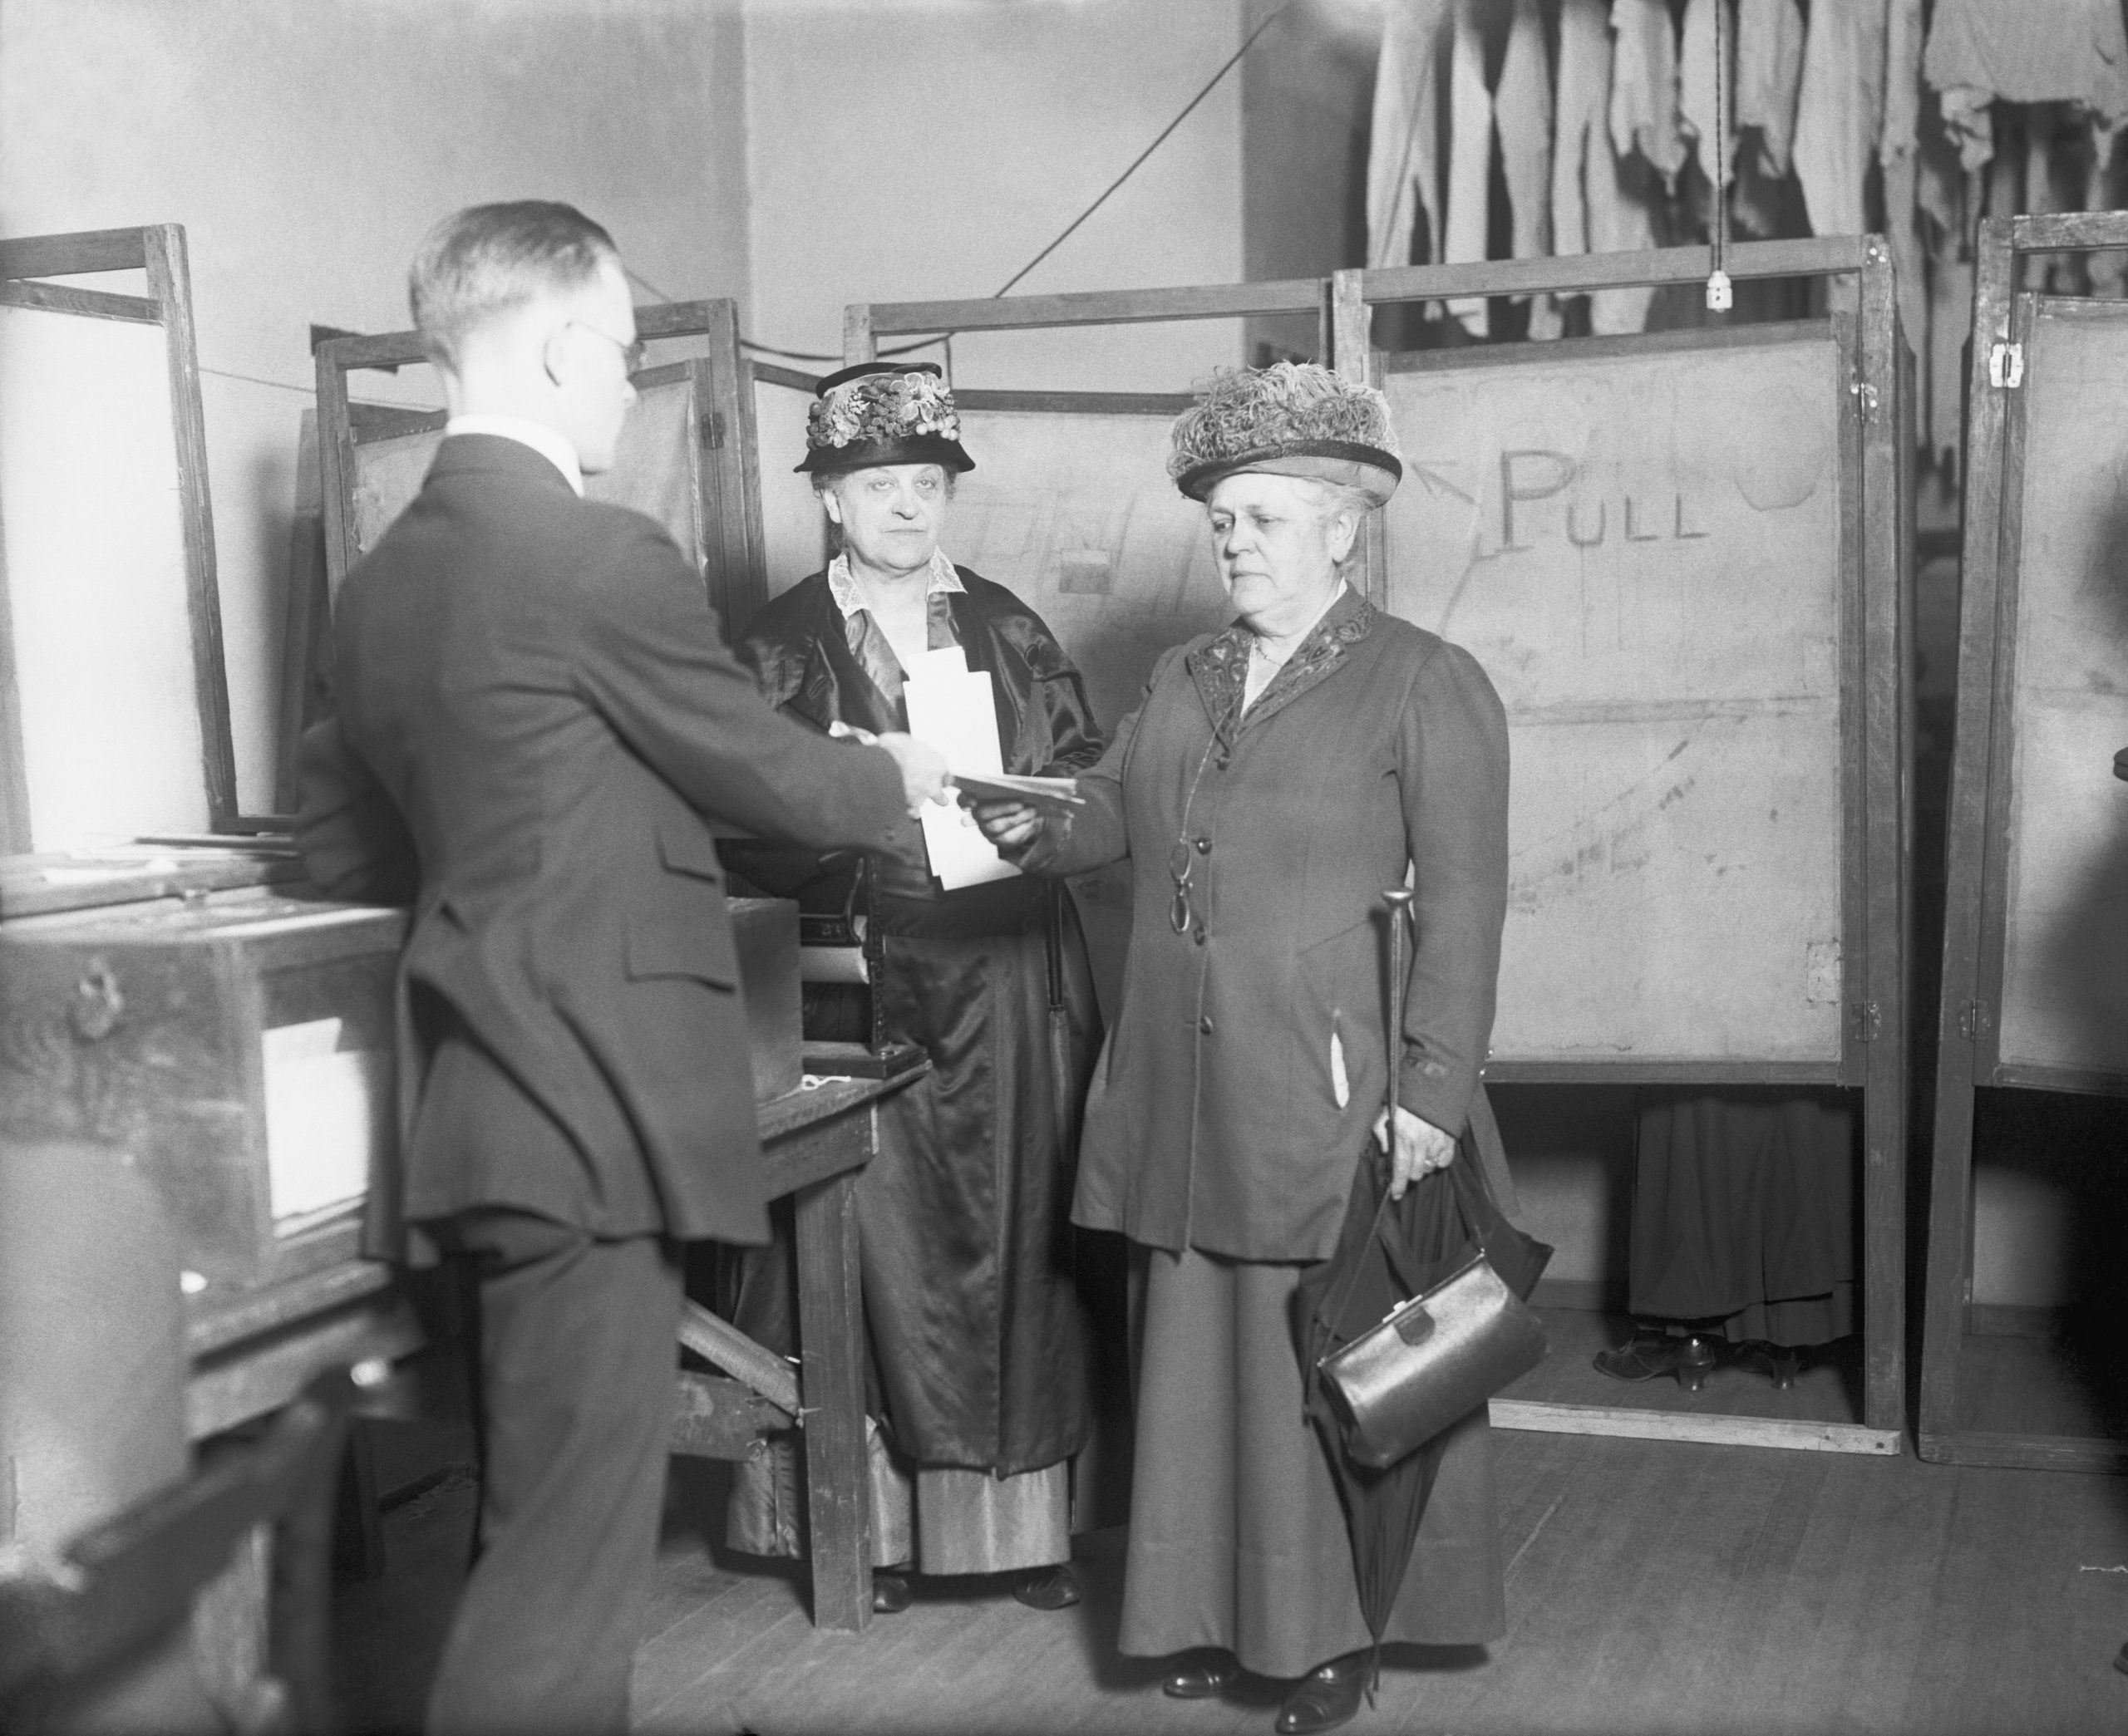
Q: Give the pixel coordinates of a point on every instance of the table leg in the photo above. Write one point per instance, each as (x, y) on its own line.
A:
(831, 1339)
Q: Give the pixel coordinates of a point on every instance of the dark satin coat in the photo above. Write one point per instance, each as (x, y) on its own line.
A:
(964, 1214)
(1212, 1122)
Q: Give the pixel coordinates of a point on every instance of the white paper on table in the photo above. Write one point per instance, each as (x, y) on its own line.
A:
(325, 1116)
(954, 709)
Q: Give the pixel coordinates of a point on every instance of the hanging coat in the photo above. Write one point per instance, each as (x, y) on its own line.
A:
(1469, 157)
(1403, 154)
(1839, 111)
(1522, 115)
(1600, 204)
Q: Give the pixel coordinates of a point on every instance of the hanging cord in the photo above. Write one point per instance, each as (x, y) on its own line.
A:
(1063, 235)
(1720, 294)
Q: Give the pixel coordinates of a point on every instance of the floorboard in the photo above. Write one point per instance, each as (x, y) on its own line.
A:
(1655, 1588)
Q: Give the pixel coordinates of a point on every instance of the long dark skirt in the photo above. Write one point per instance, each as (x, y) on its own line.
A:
(1237, 1537)
(1743, 1214)
(982, 1358)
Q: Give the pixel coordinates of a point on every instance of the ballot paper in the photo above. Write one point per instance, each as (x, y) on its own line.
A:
(325, 1118)
(952, 708)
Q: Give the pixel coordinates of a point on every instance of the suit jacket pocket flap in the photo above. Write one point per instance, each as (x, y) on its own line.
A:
(687, 849)
(703, 951)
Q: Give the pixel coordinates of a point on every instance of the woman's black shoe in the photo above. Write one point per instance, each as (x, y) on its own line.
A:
(890, 1593)
(1780, 1364)
(1651, 1353)
(1328, 1695)
(1207, 1674)
(1047, 1588)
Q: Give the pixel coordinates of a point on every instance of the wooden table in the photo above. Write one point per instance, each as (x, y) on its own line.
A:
(250, 1359)
(815, 1141)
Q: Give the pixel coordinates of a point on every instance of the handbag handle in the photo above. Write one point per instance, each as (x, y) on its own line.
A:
(1398, 899)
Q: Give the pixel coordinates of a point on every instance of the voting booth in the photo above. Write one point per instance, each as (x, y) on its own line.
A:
(1682, 559)
(2035, 961)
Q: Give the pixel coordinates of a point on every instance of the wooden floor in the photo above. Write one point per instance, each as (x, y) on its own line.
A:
(1654, 1586)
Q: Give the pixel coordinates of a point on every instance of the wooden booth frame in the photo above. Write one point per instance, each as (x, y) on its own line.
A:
(1876, 731)
(1877, 749)
(1978, 838)
(725, 462)
(158, 251)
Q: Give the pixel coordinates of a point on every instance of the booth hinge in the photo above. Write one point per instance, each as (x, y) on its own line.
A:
(1867, 1020)
(1864, 396)
(713, 429)
(2006, 365)
(1969, 1021)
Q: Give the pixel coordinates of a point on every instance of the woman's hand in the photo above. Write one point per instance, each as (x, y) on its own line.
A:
(1009, 825)
(1421, 1148)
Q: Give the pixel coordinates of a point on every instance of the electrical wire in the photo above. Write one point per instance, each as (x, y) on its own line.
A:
(1063, 235)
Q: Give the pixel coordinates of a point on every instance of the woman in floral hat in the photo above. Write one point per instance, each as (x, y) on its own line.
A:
(982, 1353)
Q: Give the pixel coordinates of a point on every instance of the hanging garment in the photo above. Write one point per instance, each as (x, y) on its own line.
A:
(2105, 188)
(1470, 156)
(1743, 1212)
(1522, 115)
(1899, 143)
(2033, 51)
(1703, 105)
(1769, 74)
(1644, 88)
(1403, 157)
(1839, 111)
(1599, 204)
(2055, 141)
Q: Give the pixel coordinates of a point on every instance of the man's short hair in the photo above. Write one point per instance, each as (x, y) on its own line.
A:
(487, 260)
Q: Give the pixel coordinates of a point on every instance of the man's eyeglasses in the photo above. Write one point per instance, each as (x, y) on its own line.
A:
(632, 354)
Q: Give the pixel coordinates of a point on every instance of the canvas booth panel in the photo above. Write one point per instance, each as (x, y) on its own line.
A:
(1644, 545)
(793, 533)
(2064, 935)
(657, 467)
(95, 564)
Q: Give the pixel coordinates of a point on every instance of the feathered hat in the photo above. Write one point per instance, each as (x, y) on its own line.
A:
(884, 413)
(1291, 418)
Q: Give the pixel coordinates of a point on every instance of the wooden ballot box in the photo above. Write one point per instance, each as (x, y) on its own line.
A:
(237, 1046)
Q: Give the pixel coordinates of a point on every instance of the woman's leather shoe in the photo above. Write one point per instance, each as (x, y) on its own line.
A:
(1207, 1674)
(1652, 1354)
(1780, 1364)
(1328, 1695)
(890, 1593)
(1047, 1588)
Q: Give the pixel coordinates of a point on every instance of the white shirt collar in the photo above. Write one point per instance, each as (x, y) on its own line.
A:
(540, 438)
(942, 578)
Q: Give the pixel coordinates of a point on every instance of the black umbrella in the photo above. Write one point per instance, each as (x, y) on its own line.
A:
(1386, 1254)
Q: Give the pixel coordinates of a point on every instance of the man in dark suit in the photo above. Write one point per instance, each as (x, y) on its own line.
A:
(539, 728)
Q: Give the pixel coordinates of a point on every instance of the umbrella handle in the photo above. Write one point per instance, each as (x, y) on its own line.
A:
(1398, 899)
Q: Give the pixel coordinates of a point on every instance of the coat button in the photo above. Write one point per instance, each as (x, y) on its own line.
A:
(1204, 1025)
(1199, 936)
(1203, 847)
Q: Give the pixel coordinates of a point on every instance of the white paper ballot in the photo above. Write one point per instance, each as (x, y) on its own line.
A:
(325, 1117)
(952, 708)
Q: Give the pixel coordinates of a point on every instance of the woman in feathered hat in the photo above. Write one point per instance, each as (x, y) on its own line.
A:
(1279, 776)
(982, 1358)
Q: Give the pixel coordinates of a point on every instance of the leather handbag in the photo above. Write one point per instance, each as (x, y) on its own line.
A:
(1431, 1362)
(1435, 1359)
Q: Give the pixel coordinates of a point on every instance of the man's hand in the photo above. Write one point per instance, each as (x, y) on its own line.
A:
(923, 769)
(1009, 825)
(1421, 1148)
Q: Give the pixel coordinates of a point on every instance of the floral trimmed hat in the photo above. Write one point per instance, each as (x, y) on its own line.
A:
(884, 413)
(1291, 418)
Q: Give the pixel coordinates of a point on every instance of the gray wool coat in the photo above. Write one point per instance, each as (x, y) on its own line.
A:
(1240, 1085)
